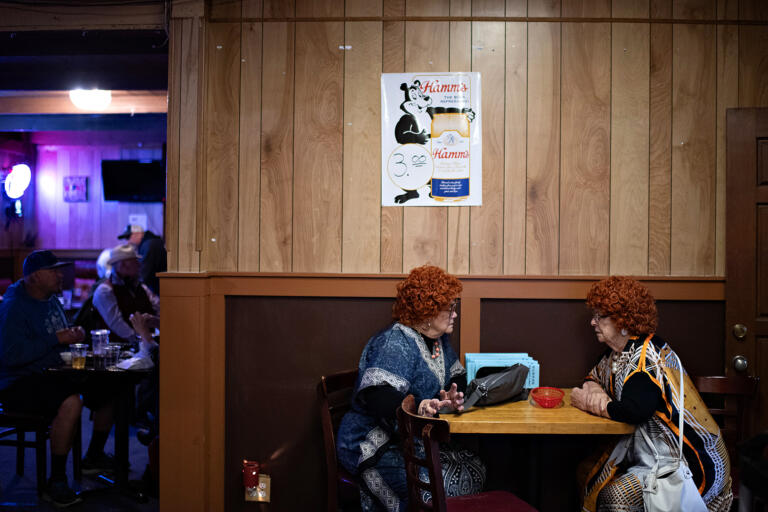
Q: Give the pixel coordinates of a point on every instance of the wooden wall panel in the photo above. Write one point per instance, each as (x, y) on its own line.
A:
(727, 9)
(172, 202)
(393, 61)
(362, 149)
(630, 8)
(755, 10)
(694, 9)
(428, 8)
(753, 66)
(318, 147)
(279, 9)
(585, 144)
(515, 138)
(276, 231)
(319, 8)
(517, 8)
(727, 97)
(191, 147)
(542, 187)
(693, 150)
(586, 9)
(660, 157)
(249, 183)
(425, 237)
(480, 8)
(543, 8)
(661, 9)
(458, 217)
(222, 146)
(629, 148)
(486, 221)
(363, 8)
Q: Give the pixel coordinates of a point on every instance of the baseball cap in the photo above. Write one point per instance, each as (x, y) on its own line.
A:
(129, 230)
(122, 252)
(41, 260)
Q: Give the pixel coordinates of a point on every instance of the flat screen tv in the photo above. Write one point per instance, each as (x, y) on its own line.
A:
(133, 181)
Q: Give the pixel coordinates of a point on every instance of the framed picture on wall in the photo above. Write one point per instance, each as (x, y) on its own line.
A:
(75, 189)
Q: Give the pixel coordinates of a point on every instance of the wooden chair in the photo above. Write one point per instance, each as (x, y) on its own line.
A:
(432, 432)
(18, 424)
(335, 394)
(727, 399)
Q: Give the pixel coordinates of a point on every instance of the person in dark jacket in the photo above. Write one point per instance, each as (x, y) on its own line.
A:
(33, 334)
(152, 254)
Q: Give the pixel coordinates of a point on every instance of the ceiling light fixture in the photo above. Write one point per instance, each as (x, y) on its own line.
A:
(93, 99)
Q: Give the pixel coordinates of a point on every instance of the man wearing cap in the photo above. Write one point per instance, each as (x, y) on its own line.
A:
(151, 251)
(123, 295)
(33, 332)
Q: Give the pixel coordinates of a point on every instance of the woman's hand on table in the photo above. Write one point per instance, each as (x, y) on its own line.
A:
(430, 406)
(591, 398)
(454, 396)
(70, 335)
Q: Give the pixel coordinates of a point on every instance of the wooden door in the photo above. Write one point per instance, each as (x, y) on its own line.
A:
(746, 290)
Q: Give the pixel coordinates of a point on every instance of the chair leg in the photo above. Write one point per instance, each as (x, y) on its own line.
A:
(41, 456)
(77, 451)
(20, 438)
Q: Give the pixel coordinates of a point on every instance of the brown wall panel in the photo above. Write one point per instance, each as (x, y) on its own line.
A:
(544, 8)
(753, 66)
(317, 149)
(543, 190)
(428, 8)
(629, 148)
(515, 147)
(660, 156)
(694, 9)
(585, 158)
(319, 8)
(277, 139)
(249, 185)
(630, 8)
(693, 150)
(459, 217)
(361, 226)
(727, 97)
(222, 143)
(486, 229)
(586, 9)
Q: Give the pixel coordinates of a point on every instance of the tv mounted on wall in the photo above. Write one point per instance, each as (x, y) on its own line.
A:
(133, 181)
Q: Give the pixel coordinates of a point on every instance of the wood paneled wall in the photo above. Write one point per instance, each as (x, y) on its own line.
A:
(603, 147)
(95, 223)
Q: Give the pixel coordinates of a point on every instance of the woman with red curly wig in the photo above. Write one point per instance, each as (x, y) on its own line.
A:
(411, 356)
(637, 381)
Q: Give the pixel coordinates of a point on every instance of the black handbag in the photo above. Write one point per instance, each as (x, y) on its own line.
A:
(495, 384)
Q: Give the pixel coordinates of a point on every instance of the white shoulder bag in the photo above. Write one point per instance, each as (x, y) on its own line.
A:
(669, 486)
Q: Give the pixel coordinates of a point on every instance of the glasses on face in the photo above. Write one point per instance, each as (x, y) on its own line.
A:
(596, 316)
(453, 306)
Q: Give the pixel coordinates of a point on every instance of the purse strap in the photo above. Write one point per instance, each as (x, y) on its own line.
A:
(680, 414)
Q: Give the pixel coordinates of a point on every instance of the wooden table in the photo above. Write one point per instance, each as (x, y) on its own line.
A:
(525, 417)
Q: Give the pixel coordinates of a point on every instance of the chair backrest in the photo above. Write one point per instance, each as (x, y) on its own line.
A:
(431, 432)
(335, 395)
(727, 399)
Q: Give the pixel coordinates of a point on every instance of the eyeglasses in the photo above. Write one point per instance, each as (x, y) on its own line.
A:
(452, 307)
(597, 316)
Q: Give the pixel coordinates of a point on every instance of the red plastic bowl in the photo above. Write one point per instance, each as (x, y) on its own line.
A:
(547, 397)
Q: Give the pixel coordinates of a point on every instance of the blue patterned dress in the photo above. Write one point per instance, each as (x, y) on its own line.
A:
(368, 447)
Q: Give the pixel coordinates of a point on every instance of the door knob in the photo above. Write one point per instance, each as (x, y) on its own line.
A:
(740, 363)
(739, 331)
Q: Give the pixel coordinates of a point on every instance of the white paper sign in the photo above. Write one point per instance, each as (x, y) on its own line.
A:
(431, 139)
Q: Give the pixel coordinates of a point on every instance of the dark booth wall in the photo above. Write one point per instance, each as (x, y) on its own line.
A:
(278, 347)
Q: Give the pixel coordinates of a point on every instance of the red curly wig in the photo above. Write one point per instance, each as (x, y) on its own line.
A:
(629, 304)
(423, 294)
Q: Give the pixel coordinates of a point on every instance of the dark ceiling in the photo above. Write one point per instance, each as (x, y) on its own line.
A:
(104, 59)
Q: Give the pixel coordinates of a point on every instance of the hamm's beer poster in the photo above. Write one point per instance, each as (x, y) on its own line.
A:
(431, 139)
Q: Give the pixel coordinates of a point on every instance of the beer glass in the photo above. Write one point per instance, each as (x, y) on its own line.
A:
(78, 355)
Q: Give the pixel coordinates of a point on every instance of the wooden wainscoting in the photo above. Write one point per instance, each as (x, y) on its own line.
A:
(242, 353)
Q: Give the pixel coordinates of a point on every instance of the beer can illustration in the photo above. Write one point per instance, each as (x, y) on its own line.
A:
(450, 155)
